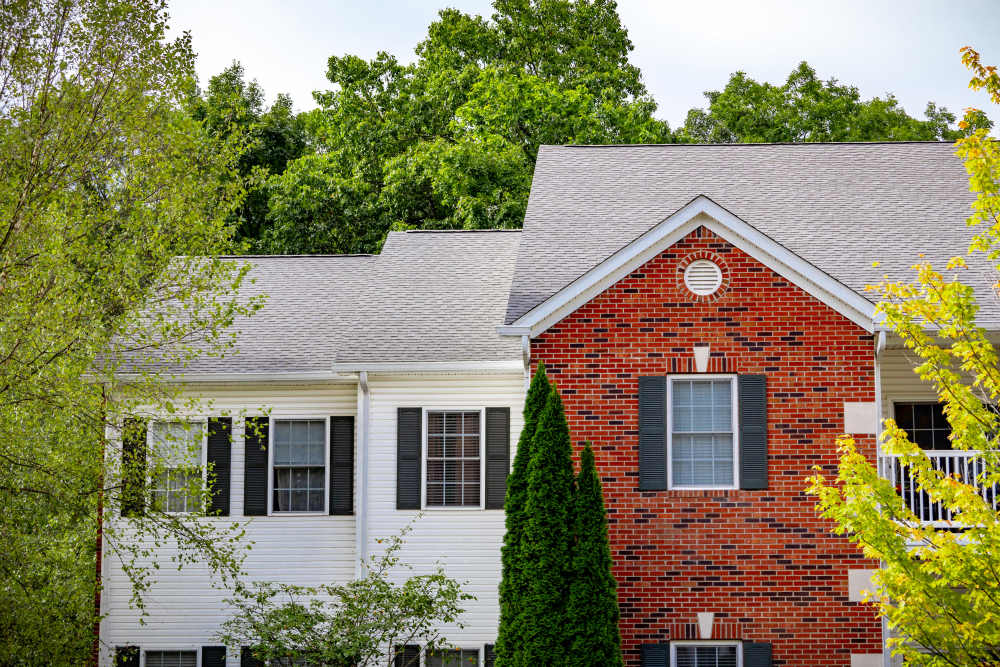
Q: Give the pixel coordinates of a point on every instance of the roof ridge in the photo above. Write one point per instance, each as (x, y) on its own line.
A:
(456, 231)
(303, 256)
(761, 143)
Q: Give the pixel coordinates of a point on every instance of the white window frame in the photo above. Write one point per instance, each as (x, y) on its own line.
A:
(482, 460)
(735, 426)
(185, 649)
(270, 465)
(707, 642)
(151, 449)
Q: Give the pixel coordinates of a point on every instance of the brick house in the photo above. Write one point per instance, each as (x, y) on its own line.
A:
(701, 310)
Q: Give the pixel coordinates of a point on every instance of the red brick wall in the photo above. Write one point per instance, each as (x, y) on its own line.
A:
(761, 560)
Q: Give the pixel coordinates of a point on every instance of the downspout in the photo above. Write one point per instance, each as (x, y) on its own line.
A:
(526, 358)
(361, 521)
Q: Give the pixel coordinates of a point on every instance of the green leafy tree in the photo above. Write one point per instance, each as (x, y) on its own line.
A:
(113, 209)
(229, 108)
(512, 583)
(346, 625)
(592, 610)
(450, 141)
(938, 588)
(546, 546)
(806, 108)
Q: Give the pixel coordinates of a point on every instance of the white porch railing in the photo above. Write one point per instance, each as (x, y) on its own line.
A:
(961, 464)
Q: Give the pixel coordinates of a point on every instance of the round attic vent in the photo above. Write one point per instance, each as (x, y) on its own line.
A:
(703, 277)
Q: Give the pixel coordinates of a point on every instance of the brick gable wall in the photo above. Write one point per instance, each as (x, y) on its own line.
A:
(761, 560)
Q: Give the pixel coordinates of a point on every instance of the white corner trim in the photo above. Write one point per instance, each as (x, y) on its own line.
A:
(792, 267)
(861, 418)
(505, 366)
(866, 660)
(859, 582)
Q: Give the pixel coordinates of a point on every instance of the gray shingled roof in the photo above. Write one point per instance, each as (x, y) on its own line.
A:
(429, 296)
(838, 206)
(436, 296)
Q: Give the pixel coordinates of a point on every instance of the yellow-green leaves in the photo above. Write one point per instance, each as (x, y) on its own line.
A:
(938, 584)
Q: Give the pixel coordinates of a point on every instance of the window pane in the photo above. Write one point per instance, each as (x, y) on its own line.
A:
(701, 443)
(692, 655)
(299, 466)
(453, 459)
(435, 494)
(453, 658)
(171, 659)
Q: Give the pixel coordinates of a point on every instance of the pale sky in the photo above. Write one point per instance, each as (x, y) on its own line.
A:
(683, 48)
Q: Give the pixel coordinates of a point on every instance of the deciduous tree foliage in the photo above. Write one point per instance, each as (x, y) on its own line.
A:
(805, 108)
(104, 183)
(512, 582)
(450, 141)
(346, 625)
(939, 589)
(231, 108)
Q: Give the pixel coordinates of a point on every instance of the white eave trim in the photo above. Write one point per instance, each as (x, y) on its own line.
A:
(304, 376)
(793, 268)
(504, 366)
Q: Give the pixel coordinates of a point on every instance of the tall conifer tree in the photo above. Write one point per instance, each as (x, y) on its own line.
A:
(512, 582)
(547, 541)
(592, 610)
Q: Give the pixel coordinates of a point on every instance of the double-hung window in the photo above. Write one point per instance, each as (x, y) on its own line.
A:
(171, 659)
(177, 471)
(702, 426)
(705, 654)
(454, 459)
(299, 465)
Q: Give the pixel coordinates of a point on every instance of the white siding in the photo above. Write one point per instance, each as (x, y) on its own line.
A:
(184, 609)
(899, 382)
(466, 542)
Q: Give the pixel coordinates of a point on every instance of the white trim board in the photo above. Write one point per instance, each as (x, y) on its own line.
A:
(701, 211)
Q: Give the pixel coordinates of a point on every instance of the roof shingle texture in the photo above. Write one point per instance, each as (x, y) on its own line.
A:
(427, 297)
(838, 206)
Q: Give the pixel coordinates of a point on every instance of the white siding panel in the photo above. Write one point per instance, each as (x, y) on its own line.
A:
(899, 382)
(466, 542)
(184, 609)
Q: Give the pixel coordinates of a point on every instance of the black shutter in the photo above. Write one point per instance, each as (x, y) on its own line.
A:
(219, 458)
(341, 465)
(408, 436)
(133, 497)
(126, 656)
(213, 656)
(247, 659)
(255, 441)
(652, 433)
(756, 654)
(489, 656)
(655, 655)
(407, 656)
(497, 456)
(753, 431)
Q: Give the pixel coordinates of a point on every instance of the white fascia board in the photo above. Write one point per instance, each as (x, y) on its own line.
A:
(305, 376)
(759, 246)
(505, 366)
